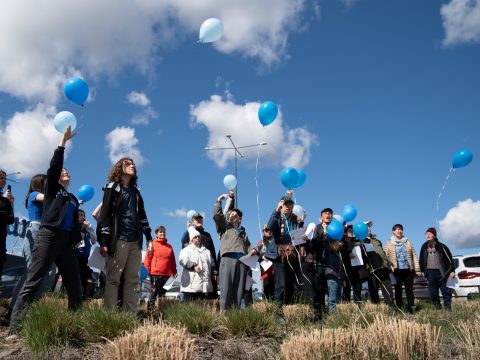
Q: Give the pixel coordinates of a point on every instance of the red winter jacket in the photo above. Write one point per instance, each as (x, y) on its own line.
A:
(160, 261)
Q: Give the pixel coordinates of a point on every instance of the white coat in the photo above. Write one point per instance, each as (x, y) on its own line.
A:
(192, 281)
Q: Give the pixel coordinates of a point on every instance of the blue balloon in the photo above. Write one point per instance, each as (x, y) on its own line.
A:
(63, 120)
(230, 182)
(360, 229)
(143, 272)
(301, 178)
(349, 213)
(289, 178)
(86, 193)
(210, 31)
(335, 230)
(267, 113)
(462, 158)
(76, 90)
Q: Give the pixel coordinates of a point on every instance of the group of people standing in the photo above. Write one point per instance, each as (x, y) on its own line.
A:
(60, 235)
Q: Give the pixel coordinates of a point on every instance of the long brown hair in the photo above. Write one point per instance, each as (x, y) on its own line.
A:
(37, 183)
(117, 171)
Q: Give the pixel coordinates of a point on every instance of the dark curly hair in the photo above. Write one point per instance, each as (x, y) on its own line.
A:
(117, 171)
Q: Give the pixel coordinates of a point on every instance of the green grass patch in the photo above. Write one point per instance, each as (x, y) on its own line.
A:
(99, 323)
(47, 325)
(248, 322)
(197, 319)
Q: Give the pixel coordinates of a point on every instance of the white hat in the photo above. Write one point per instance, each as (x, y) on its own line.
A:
(369, 223)
(192, 232)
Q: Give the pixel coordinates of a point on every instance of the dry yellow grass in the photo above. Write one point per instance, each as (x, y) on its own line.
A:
(469, 345)
(298, 313)
(385, 337)
(264, 307)
(152, 341)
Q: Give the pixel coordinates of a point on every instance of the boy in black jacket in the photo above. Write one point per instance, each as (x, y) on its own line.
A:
(58, 233)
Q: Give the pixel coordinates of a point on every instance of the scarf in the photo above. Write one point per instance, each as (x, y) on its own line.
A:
(398, 242)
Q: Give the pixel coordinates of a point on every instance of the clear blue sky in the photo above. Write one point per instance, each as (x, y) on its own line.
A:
(383, 96)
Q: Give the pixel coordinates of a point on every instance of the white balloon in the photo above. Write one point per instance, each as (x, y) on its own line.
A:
(339, 218)
(298, 210)
(210, 31)
(63, 120)
(230, 182)
(190, 213)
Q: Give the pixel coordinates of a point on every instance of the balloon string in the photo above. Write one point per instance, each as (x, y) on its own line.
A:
(441, 192)
(256, 183)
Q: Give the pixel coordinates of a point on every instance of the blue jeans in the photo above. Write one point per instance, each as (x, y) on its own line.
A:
(334, 293)
(48, 279)
(436, 283)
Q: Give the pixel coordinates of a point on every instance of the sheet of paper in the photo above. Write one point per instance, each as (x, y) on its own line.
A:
(369, 247)
(297, 236)
(452, 283)
(357, 259)
(249, 282)
(393, 280)
(310, 230)
(265, 264)
(251, 261)
(169, 283)
(96, 260)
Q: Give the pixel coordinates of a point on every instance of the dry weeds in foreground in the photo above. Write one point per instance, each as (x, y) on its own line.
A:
(153, 341)
(384, 338)
(469, 344)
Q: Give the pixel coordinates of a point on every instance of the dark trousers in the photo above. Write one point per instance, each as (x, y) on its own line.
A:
(381, 279)
(404, 277)
(315, 288)
(53, 245)
(268, 284)
(85, 276)
(3, 251)
(157, 289)
(214, 293)
(285, 280)
(436, 282)
(355, 284)
(189, 296)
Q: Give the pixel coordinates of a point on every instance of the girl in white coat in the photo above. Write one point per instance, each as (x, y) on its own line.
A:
(197, 266)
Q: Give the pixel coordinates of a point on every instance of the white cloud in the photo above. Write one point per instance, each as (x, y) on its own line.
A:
(461, 226)
(28, 140)
(144, 117)
(122, 142)
(349, 3)
(138, 98)
(180, 213)
(44, 43)
(222, 116)
(461, 20)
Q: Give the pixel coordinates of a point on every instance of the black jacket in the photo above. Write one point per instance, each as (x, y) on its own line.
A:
(6, 216)
(207, 241)
(444, 256)
(108, 221)
(57, 198)
(275, 224)
(315, 248)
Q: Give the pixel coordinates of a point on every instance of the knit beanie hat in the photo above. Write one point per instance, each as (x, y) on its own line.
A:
(192, 232)
(432, 230)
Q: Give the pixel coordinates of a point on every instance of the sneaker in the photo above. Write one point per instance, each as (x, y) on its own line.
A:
(280, 320)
